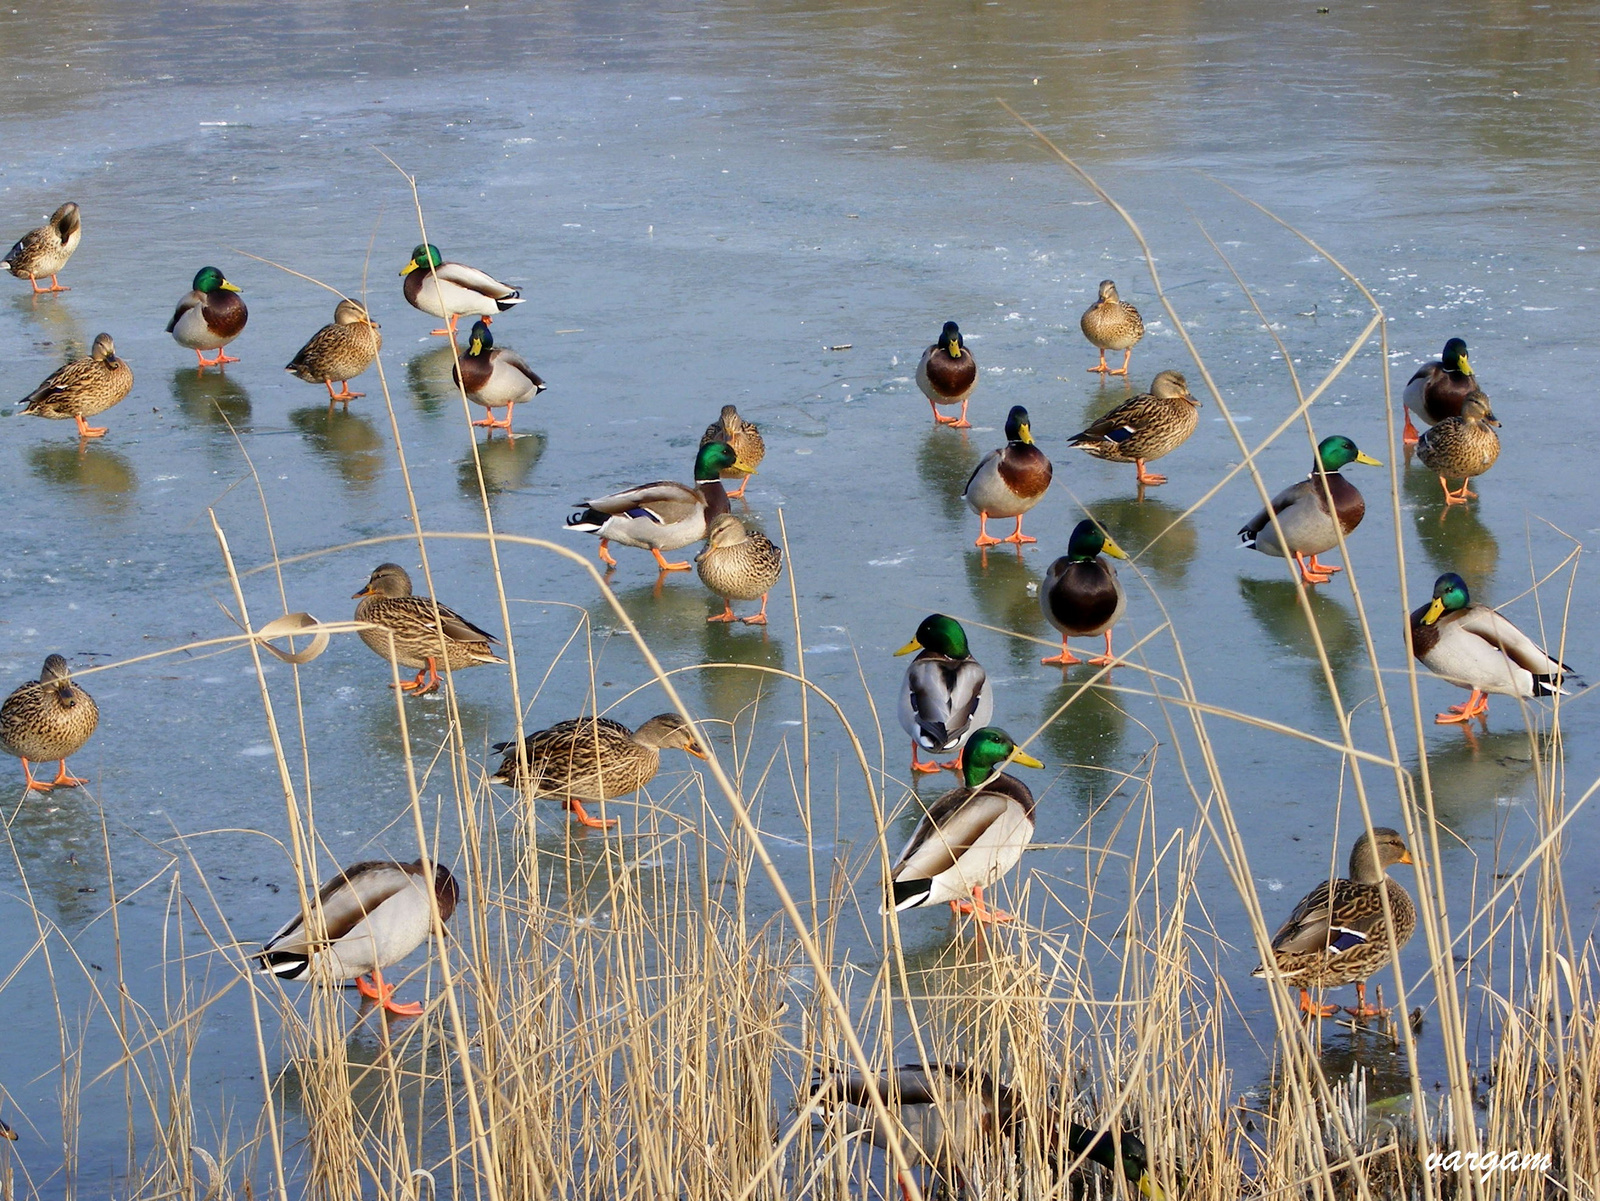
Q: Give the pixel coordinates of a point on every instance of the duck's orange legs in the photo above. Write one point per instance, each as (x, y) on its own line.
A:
(1101, 369)
(979, 911)
(450, 326)
(63, 780)
(661, 562)
(427, 680)
(605, 555)
(758, 619)
(917, 765)
(1456, 498)
(575, 807)
(1311, 571)
(222, 357)
(726, 614)
(1362, 1009)
(54, 286)
(1409, 436)
(1126, 359)
(1017, 535)
(1107, 659)
(1477, 705)
(343, 394)
(1145, 478)
(85, 430)
(985, 538)
(384, 994)
(1315, 1010)
(739, 495)
(1066, 658)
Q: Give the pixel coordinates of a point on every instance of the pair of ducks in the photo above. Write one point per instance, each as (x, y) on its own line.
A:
(1460, 442)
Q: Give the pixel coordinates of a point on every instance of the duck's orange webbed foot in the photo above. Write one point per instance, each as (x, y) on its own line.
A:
(85, 430)
(1017, 536)
(1318, 1011)
(725, 615)
(1065, 659)
(63, 780)
(661, 562)
(739, 495)
(345, 394)
(575, 807)
(605, 555)
(1409, 436)
(981, 912)
(1123, 370)
(1476, 705)
(1145, 478)
(984, 539)
(383, 993)
(961, 422)
(32, 785)
(1362, 1009)
(1101, 368)
(758, 619)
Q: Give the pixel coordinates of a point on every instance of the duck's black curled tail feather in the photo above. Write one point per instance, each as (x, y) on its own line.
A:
(290, 965)
(505, 302)
(907, 894)
(587, 521)
(1550, 685)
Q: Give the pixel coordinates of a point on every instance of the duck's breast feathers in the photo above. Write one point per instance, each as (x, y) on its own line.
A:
(225, 313)
(1435, 393)
(961, 820)
(948, 698)
(1348, 502)
(1025, 470)
(949, 378)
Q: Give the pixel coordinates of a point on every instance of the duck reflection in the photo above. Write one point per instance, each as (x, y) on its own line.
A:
(507, 464)
(53, 314)
(1453, 537)
(1475, 777)
(1000, 580)
(428, 379)
(57, 840)
(1348, 1053)
(1085, 740)
(211, 398)
(728, 692)
(669, 609)
(92, 470)
(427, 721)
(1137, 523)
(1275, 605)
(349, 441)
(945, 460)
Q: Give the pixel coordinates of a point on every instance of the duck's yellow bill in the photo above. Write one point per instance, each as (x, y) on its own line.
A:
(227, 287)
(1025, 432)
(1466, 368)
(1434, 610)
(1025, 759)
(1112, 549)
(953, 349)
(475, 347)
(409, 267)
(1406, 858)
(697, 753)
(1368, 460)
(913, 645)
(367, 591)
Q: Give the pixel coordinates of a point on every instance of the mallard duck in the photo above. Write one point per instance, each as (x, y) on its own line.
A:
(1439, 388)
(660, 516)
(970, 836)
(1308, 525)
(420, 639)
(368, 917)
(1081, 595)
(1145, 428)
(946, 695)
(593, 759)
(83, 388)
(209, 317)
(947, 375)
(745, 439)
(1009, 481)
(44, 251)
(1111, 324)
(339, 352)
(1336, 934)
(947, 1112)
(1461, 447)
(453, 290)
(493, 376)
(48, 718)
(1472, 646)
(738, 564)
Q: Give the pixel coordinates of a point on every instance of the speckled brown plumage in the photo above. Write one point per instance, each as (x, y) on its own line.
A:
(1112, 324)
(339, 352)
(421, 639)
(1461, 447)
(1148, 426)
(48, 719)
(83, 388)
(45, 251)
(745, 439)
(738, 564)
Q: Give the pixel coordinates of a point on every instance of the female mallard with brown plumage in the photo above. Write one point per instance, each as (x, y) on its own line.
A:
(1472, 646)
(368, 917)
(1304, 515)
(1147, 427)
(48, 719)
(453, 290)
(44, 251)
(947, 374)
(83, 388)
(746, 441)
(421, 637)
(1439, 388)
(1337, 934)
(339, 352)
(494, 377)
(1009, 481)
(593, 759)
(1111, 324)
(738, 564)
(1461, 447)
(1081, 595)
(663, 515)
(209, 317)
(970, 836)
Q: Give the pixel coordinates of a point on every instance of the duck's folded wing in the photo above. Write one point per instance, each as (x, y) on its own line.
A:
(517, 363)
(345, 902)
(1306, 930)
(988, 460)
(1118, 425)
(662, 502)
(947, 833)
(191, 301)
(1499, 633)
(470, 277)
(1280, 502)
(458, 629)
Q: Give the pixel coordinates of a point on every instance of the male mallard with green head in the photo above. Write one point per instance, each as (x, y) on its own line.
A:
(746, 441)
(339, 352)
(970, 836)
(1081, 595)
(1009, 481)
(417, 630)
(494, 376)
(1111, 324)
(946, 694)
(1472, 646)
(48, 719)
(593, 759)
(947, 374)
(1307, 522)
(738, 564)
(368, 917)
(1147, 427)
(45, 251)
(663, 515)
(83, 388)
(1461, 447)
(1337, 934)
(209, 317)
(453, 290)
(1439, 388)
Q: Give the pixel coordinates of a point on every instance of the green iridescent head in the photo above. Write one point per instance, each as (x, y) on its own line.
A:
(712, 460)
(424, 256)
(209, 279)
(940, 634)
(1449, 595)
(481, 339)
(1338, 451)
(986, 750)
(1089, 540)
(1454, 357)
(1018, 427)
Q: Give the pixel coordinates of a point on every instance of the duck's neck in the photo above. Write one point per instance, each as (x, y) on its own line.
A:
(716, 498)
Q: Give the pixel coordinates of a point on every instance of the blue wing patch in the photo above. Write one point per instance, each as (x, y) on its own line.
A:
(1342, 938)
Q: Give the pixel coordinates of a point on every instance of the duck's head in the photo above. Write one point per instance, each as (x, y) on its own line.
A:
(481, 339)
(1108, 292)
(387, 579)
(940, 634)
(352, 312)
(1338, 451)
(446, 892)
(424, 256)
(1018, 427)
(1170, 385)
(1454, 357)
(986, 750)
(66, 220)
(1374, 853)
(1089, 540)
(712, 459)
(211, 279)
(1449, 595)
(55, 676)
(730, 419)
(724, 531)
(1476, 408)
(670, 730)
(950, 338)
(104, 349)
